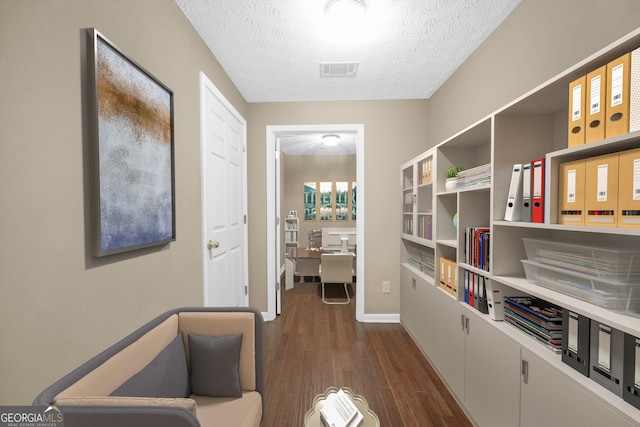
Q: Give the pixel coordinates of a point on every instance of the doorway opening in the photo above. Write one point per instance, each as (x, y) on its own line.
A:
(275, 262)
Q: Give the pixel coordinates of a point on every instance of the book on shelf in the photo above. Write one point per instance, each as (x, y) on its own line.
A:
(513, 209)
(408, 202)
(340, 411)
(537, 318)
(425, 172)
(476, 248)
(474, 177)
(475, 291)
(425, 226)
(408, 182)
(408, 225)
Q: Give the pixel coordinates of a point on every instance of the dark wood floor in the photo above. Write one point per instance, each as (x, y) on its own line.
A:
(313, 346)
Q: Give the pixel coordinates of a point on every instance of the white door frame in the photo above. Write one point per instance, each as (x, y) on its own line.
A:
(273, 271)
(205, 252)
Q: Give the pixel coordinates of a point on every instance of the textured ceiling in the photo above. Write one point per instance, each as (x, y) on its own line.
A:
(406, 49)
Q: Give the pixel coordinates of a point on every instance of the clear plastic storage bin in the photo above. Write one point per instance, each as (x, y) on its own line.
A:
(613, 264)
(612, 295)
(421, 260)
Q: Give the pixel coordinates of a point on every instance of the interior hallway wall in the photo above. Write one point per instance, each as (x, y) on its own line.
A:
(537, 41)
(58, 305)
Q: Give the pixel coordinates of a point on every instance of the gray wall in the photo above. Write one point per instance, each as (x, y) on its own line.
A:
(537, 41)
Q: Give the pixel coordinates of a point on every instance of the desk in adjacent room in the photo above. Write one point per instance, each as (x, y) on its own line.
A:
(303, 262)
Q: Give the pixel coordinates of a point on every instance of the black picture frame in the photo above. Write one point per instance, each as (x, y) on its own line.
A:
(131, 149)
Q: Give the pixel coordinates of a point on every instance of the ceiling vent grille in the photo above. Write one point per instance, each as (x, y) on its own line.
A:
(338, 69)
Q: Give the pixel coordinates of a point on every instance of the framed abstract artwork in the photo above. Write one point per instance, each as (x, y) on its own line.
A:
(342, 200)
(329, 200)
(310, 200)
(353, 201)
(131, 137)
(326, 201)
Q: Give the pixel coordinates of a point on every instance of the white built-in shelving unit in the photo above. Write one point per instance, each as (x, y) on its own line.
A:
(291, 231)
(499, 375)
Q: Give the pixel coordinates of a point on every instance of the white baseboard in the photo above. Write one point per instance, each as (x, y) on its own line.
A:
(368, 318)
(267, 317)
(380, 318)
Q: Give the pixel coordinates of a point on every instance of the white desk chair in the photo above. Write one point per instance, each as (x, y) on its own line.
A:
(336, 268)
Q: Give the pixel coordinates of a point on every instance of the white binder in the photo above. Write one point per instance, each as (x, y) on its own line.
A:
(496, 293)
(526, 192)
(495, 299)
(513, 211)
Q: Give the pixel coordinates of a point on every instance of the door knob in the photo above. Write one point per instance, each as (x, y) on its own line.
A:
(213, 245)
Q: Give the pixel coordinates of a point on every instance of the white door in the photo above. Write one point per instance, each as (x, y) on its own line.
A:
(223, 134)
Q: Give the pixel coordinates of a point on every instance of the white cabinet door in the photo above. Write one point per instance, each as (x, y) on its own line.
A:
(492, 374)
(424, 314)
(449, 341)
(408, 301)
(550, 398)
(416, 308)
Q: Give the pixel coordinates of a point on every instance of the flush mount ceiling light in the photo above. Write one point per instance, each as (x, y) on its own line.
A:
(347, 10)
(344, 21)
(330, 140)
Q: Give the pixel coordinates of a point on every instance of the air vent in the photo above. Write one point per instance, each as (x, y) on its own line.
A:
(338, 69)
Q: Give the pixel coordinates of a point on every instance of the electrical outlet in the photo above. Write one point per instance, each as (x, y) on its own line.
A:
(386, 287)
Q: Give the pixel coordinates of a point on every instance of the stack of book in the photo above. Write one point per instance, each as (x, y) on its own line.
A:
(340, 411)
(425, 226)
(476, 247)
(537, 318)
(474, 177)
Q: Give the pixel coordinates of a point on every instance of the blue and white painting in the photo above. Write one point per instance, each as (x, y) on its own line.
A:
(135, 155)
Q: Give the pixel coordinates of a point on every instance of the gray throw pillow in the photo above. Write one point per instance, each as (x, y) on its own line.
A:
(167, 375)
(215, 364)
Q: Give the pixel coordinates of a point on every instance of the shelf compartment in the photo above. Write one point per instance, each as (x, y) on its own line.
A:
(407, 205)
(425, 171)
(616, 144)
(425, 226)
(407, 224)
(420, 258)
(407, 178)
(446, 209)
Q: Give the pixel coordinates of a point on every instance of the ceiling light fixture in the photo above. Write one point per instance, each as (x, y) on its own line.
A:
(345, 10)
(331, 140)
(344, 22)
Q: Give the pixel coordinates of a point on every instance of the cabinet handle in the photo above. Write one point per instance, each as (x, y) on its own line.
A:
(525, 371)
(415, 199)
(413, 282)
(466, 321)
(462, 322)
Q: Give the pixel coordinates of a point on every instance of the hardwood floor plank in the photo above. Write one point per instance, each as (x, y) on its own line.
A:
(313, 346)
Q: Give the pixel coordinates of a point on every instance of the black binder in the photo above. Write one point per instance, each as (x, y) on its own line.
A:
(631, 390)
(575, 341)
